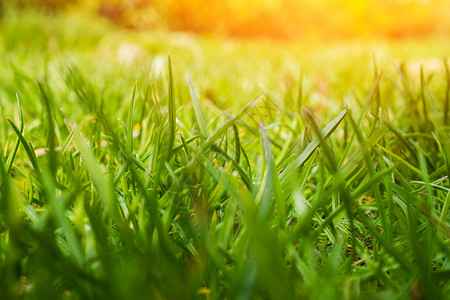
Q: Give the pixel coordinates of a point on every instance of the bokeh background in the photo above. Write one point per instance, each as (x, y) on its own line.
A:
(275, 19)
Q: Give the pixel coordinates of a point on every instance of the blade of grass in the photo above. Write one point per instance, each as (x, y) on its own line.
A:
(309, 150)
(372, 173)
(404, 162)
(200, 118)
(57, 210)
(237, 145)
(423, 84)
(103, 185)
(11, 157)
(172, 112)
(444, 213)
(130, 120)
(221, 130)
(28, 150)
(51, 134)
(245, 178)
(69, 139)
(274, 185)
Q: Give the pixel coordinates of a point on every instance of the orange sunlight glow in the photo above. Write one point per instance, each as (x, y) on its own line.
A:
(293, 19)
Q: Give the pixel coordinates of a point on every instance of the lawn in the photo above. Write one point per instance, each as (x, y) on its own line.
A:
(165, 165)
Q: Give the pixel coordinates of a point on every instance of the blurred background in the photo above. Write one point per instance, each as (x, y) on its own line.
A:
(274, 19)
(231, 49)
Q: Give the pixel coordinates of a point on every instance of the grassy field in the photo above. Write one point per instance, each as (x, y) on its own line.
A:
(227, 169)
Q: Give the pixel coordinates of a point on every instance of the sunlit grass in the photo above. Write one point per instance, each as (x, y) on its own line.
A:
(274, 171)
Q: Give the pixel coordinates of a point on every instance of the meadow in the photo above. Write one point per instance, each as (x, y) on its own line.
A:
(165, 165)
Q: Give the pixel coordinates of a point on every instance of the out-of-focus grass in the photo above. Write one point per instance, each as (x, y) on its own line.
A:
(277, 171)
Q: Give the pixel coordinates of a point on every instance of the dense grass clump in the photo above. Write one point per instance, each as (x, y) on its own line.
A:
(122, 180)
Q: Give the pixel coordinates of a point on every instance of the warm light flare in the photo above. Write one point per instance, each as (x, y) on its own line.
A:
(279, 19)
(290, 19)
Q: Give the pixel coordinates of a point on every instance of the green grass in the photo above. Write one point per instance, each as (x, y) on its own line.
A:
(276, 171)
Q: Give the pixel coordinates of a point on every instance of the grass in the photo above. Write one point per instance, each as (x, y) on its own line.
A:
(122, 179)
